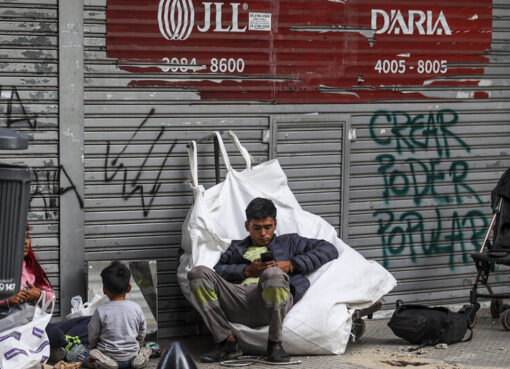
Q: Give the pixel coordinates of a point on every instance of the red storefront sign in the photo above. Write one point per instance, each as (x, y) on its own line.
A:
(302, 51)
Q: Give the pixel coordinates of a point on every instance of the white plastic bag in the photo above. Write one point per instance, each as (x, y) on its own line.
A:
(16, 316)
(88, 308)
(26, 345)
(320, 323)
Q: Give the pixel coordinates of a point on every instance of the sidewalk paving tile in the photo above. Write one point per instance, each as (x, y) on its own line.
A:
(380, 348)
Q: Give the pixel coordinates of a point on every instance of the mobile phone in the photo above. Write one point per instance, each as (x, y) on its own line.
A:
(266, 256)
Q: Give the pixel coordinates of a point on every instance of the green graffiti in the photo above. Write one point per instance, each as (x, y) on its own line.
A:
(413, 233)
(425, 132)
(409, 234)
(458, 172)
(398, 182)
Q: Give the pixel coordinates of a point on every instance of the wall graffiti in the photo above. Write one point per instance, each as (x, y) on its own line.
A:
(131, 185)
(16, 113)
(45, 186)
(420, 169)
(46, 180)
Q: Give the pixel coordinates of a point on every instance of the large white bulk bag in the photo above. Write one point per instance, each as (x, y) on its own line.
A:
(320, 323)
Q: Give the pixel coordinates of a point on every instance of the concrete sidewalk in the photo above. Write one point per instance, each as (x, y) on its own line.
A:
(380, 348)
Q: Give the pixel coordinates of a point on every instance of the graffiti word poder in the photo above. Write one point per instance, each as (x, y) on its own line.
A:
(406, 180)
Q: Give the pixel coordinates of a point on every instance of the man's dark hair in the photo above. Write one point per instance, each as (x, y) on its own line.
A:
(116, 278)
(260, 208)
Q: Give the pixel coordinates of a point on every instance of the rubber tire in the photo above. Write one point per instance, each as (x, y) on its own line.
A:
(496, 305)
(505, 319)
(359, 327)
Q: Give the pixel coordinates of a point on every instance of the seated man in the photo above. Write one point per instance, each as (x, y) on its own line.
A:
(247, 290)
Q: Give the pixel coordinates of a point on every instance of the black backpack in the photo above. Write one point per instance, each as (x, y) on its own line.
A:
(428, 326)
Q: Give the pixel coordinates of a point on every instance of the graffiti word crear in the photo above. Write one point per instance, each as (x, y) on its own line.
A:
(429, 131)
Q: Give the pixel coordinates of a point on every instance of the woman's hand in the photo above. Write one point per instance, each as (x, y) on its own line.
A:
(31, 294)
(16, 299)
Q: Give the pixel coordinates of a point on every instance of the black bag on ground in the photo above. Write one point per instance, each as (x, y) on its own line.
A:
(428, 326)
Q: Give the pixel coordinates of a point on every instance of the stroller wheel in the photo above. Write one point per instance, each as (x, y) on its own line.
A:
(470, 311)
(505, 319)
(496, 307)
(358, 329)
(473, 323)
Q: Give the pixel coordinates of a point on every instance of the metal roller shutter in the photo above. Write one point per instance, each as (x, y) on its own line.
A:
(311, 150)
(29, 103)
(136, 195)
(136, 168)
(409, 203)
(420, 195)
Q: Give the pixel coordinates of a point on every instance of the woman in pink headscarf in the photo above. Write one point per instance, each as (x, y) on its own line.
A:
(33, 279)
(62, 335)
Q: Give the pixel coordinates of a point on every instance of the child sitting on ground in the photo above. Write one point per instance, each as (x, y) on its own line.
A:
(118, 327)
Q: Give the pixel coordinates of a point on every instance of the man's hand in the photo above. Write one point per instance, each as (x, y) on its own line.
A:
(255, 269)
(286, 266)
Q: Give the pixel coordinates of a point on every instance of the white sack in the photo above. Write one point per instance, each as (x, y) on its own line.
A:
(320, 323)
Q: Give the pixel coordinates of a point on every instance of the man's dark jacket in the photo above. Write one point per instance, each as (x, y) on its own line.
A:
(306, 254)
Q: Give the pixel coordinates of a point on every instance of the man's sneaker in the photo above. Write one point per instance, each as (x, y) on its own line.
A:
(142, 359)
(226, 350)
(101, 361)
(276, 353)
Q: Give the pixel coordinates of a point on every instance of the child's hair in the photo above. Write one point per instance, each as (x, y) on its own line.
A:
(116, 278)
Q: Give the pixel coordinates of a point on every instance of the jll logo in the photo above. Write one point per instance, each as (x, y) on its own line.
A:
(176, 18)
(423, 22)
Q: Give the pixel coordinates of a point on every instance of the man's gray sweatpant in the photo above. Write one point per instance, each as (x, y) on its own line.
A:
(252, 305)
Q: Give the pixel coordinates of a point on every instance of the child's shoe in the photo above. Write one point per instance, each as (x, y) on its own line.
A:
(142, 359)
(156, 349)
(101, 361)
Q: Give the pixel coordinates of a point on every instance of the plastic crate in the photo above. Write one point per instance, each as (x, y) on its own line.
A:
(14, 200)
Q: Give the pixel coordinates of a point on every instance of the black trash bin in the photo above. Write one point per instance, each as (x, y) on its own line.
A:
(14, 200)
